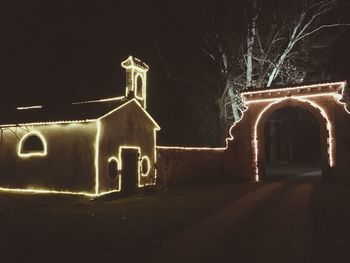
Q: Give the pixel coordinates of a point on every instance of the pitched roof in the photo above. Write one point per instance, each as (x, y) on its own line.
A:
(79, 111)
(132, 62)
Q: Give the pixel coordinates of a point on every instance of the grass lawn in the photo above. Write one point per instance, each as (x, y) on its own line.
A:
(58, 228)
(39, 227)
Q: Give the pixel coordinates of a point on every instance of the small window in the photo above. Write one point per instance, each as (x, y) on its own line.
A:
(145, 166)
(139, 86)
(113, 166)
(32, 144)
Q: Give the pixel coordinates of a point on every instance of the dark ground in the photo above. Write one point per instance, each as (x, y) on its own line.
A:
(297, 219)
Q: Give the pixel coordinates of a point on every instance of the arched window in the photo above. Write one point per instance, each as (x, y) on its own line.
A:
(32, 144)
(113, 168)
(139, 86)
(145, 166)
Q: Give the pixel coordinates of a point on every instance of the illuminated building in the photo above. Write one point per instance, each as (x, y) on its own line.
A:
(243, 156)
(89, 147)
(321, 100)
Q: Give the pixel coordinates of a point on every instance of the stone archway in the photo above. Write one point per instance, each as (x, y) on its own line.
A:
(326, 133)
(245, 148)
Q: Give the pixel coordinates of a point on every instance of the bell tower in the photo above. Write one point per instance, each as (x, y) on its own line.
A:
(136, 77)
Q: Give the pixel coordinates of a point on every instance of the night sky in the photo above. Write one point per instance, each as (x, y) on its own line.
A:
(62, 51)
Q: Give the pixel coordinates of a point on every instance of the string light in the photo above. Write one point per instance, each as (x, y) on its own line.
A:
(191, 148)
(97, 150)
(33, 153)
(101, 100)
(136, 69)
(329, 127)
(148, 162)
(111, 159)
(29, 107)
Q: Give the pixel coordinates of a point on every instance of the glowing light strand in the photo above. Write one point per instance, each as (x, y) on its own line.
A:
(138, 149)
(134, 65)
(33, 153)
(293, 96)
(191, 148)
(335, 84)
(139, 105)
(46, 123)
(146, 159)
(137, 69)
(99, 100)
(29, 107)
(45, 191)
(339, 97)
(97, 147)
(119, 168)
(329, 127)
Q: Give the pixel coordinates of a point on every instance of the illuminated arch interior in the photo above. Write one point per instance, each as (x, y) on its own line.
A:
(139, 86)
(32, 144)
(292, 138)
(145, 165)
(317, 112)
(113, 168)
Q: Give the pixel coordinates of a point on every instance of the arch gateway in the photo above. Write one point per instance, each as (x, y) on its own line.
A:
(245, 153)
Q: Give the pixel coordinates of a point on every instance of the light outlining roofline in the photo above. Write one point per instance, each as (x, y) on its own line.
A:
(230, 137)
(82, 121)
(32, 154)
(138, 68)
(29, 107)
(125, 104)
(329, 127)
(101, 100)
(96, 160)
(294, 88)
(46, 123)
(113, 158)
(133, 65)
(294, 96)
(191, 148)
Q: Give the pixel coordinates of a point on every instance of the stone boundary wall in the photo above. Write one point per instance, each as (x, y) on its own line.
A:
(189, 166)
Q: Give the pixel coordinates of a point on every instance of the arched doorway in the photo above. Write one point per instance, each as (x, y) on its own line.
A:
(245, 155)
(292, 145)
(313, 111)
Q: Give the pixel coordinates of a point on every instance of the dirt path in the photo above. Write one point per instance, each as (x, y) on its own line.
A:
(272, 224)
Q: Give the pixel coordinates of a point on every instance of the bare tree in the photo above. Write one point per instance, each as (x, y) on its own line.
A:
(252, 18)
(271, 47)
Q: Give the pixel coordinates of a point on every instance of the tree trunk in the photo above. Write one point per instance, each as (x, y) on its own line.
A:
(276, 69)
(251, 34)
(233, 104)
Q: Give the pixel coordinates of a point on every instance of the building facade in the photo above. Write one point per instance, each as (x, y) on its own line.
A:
(89, 147)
